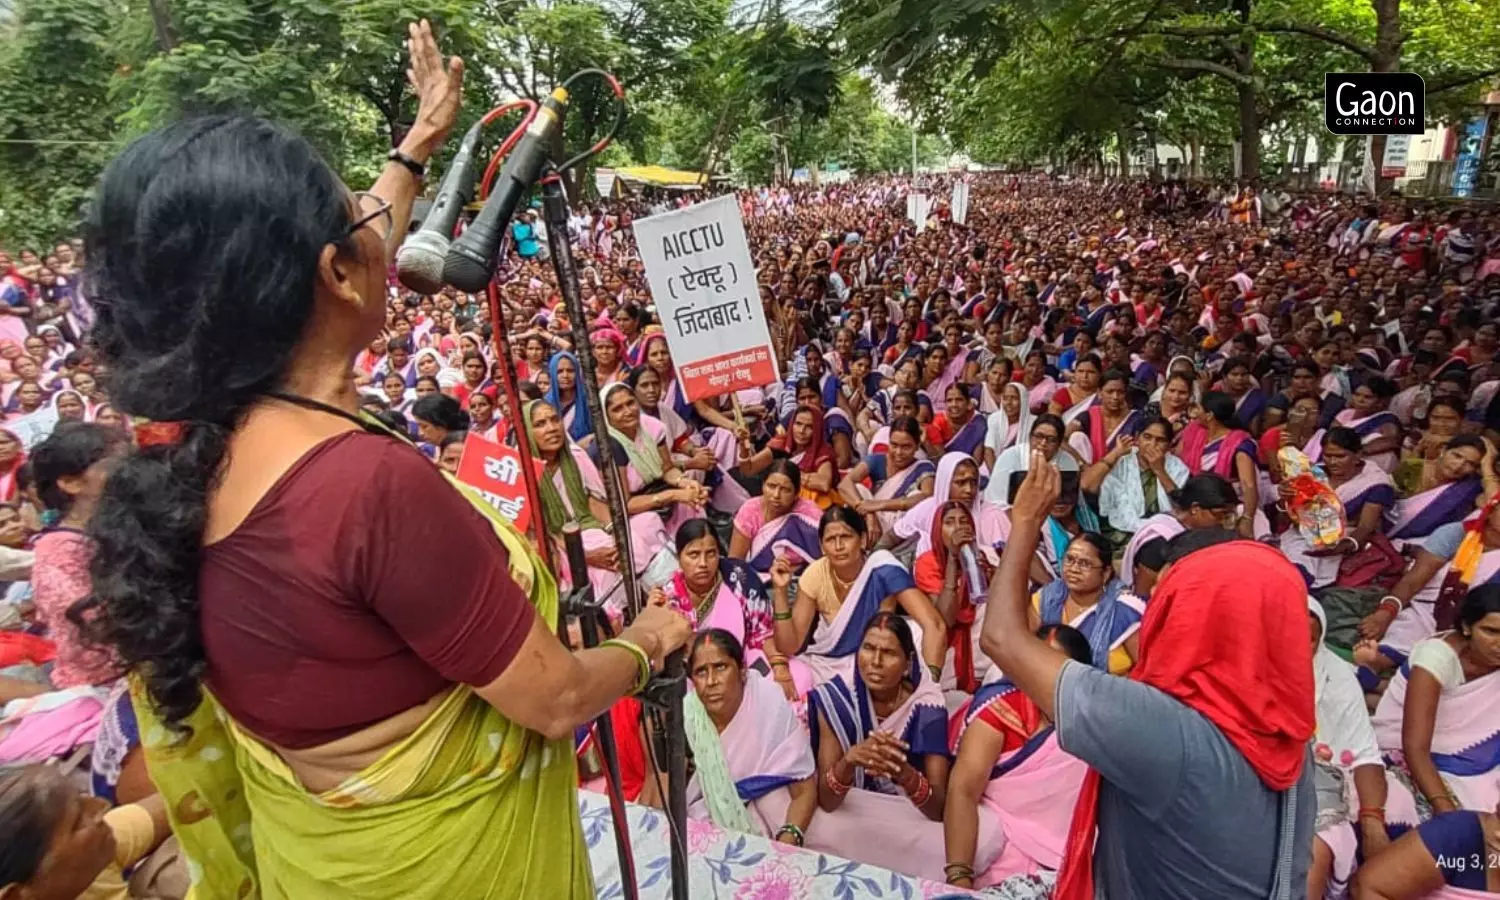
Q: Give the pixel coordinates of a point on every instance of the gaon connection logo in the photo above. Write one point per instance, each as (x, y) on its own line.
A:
(1374, 102)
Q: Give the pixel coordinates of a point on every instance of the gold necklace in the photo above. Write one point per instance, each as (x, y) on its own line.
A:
(840, 586)
(704, 603)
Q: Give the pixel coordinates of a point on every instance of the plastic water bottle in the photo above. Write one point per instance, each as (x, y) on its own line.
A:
(968, 560)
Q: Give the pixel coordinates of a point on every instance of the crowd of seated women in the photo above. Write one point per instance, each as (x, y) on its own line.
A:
(832, 536)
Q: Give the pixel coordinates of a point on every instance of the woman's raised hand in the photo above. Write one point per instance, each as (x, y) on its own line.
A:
(1038, 493)
(781, 573)
(662, 630)
(438, 86)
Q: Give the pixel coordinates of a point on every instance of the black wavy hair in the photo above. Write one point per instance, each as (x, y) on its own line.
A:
(441, 410)
(70, 451)
(203, 246)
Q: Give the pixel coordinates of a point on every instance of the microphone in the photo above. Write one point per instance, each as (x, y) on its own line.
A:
(470, 262)
(419, 262)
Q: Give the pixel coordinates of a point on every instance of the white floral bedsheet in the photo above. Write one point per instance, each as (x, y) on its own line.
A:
(729, 866)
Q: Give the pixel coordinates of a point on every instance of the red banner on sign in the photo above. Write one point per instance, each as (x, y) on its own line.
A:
(495, 470)
(719, 375)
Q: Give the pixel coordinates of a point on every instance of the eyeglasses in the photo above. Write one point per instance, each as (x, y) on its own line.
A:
(1079, 564)
(372, 207)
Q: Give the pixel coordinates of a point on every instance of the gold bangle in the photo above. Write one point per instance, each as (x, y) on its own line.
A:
(643, 660)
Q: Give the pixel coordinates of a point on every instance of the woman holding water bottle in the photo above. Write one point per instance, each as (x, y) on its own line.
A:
(956, 577)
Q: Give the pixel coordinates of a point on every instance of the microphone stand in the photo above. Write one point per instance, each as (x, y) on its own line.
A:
(664, 693)
(592, 621)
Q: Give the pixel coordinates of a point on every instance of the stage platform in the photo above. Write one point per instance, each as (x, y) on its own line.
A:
(731, 866)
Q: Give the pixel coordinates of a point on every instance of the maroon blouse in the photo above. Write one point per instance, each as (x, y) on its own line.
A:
(362, 584)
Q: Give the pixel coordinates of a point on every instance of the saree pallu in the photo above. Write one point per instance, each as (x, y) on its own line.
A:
(742, 608)
(895, 486)
(764, 749)
(1107, 625)
(876, 823)
(968, 439)
(1420, 515)
(1419, 619)
(470, 804)
(1465, 746)
(832, 650)
(1368, 429)
(1028, 806)
(794, 536)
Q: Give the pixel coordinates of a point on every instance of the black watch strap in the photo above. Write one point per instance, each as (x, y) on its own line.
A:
(405, 159)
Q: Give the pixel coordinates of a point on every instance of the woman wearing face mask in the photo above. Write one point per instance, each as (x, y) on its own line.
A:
(879, 732)
(278, 503)
(840, 593)
(753, 769)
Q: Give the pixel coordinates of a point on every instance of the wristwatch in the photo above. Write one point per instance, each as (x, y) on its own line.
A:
(398, 156)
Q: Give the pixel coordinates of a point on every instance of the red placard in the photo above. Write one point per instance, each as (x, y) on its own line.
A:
(495, 470)
(727, 373)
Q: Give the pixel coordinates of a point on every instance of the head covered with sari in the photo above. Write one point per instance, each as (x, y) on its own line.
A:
(817, 450)
(555, 512)
(642, 455)
(1235, 650)
(583, 422)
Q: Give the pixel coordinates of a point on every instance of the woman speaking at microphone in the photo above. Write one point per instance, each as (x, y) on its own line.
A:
(346, 672)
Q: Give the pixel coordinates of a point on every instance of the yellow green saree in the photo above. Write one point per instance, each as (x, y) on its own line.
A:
(471, 805)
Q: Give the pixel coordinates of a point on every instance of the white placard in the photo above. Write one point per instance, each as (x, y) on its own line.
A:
(604, 180)
(960, 202)
(1397, 146)
(918, 208)
(703, 283)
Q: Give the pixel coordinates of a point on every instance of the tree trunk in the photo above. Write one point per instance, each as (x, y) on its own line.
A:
(1195, 168)
(1387, 59)
(1249, 135)
(161, 19)
(1122, 136)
